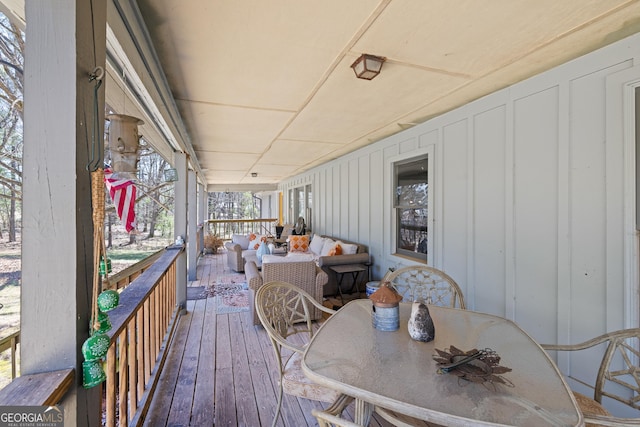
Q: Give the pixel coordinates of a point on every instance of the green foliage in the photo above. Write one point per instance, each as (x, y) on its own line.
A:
(130, 254)
(164, 224)
(11, 100)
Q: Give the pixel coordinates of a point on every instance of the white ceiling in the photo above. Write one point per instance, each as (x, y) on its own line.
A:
(266, 86)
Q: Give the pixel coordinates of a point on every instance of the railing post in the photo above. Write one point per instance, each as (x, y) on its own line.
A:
(202, 203)
(192, 239)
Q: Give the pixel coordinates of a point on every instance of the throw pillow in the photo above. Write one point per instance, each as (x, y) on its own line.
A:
(316, 244)
(327, 247)
(337, 250)
(255, 240)
(348, 248)
(299, 243)
(241, 240)
(262, 250)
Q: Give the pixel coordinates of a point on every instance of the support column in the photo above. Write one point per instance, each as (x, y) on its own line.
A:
(180, 225)
(66, 41)
(202, 219)
(192, 226)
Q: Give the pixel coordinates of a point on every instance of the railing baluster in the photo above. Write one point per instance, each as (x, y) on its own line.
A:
(132, 366)
(14, 345)
(122, 374)
(152, 328)
(111, 386)
(140, 351)
(146, 342)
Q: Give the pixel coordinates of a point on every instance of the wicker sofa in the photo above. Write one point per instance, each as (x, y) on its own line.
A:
(304, 274)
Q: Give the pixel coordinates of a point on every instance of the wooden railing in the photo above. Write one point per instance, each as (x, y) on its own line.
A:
(224, 228)
(123, 278)
(42, 389)
(116, 281)
(142, 329)
(11, 343)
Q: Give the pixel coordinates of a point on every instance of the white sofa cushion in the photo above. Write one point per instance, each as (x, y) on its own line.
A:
(348, 248)
(316, 244)
(291, 257)
(327, 247)
(240, 239)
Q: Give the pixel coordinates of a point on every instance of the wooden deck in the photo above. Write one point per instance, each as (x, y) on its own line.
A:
(221, 371)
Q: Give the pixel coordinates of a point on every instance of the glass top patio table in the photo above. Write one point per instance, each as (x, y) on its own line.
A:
(391, 370)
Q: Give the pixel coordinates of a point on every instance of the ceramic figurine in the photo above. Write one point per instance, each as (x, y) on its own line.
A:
(420, 323)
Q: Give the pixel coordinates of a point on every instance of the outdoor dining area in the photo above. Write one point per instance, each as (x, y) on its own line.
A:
(377, 361)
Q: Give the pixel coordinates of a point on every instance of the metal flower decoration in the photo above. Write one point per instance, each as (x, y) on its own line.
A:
(477, 366)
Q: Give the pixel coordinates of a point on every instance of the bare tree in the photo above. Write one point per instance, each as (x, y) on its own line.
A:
(154, 199)
(11, 120)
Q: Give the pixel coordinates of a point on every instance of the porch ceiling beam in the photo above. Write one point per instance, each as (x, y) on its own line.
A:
(242, 187)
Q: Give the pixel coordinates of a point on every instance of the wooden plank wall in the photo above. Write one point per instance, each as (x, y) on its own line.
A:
(534, 198)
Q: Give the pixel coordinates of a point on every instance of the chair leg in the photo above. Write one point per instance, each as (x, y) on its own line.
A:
(279, 406)
(338, 406)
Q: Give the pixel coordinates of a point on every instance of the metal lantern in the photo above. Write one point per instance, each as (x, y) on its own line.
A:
(367, 66)
(385, 314)
(124, 143)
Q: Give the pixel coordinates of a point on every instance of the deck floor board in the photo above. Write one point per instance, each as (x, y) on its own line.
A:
(221, 370)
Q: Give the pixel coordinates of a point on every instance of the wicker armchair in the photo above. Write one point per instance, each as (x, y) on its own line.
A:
(618, 368)
(303, 274)
(235, 260)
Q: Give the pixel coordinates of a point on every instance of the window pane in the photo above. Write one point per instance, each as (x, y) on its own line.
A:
(411, 184)
(411, 205)
(412, 230)
(299, 203)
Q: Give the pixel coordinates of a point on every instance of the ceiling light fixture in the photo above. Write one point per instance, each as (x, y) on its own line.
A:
(367, 66)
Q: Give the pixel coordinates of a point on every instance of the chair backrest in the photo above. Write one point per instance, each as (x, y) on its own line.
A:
(300, 273)
(619, 372)
(422, 283)
(285, 310)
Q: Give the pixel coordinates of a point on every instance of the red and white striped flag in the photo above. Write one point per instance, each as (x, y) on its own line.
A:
(123, 195)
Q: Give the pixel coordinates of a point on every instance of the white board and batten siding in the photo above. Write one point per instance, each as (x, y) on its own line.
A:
(533, 197)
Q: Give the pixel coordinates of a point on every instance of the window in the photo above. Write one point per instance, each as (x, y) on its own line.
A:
(292, 217)
(411, 207)
(308, 215)
(300, 203)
